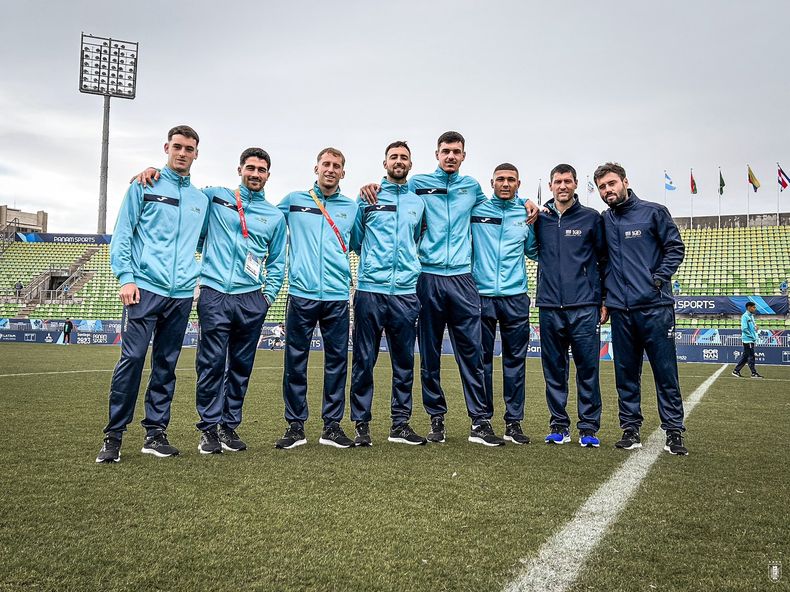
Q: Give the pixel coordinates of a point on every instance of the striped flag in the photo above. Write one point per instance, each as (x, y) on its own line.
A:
(693, 184)
(591, 187)
(668, 184)
(753, 179)
(784, 180)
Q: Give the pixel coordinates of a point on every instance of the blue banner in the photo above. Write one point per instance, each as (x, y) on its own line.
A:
(729, 305)
(68, 239)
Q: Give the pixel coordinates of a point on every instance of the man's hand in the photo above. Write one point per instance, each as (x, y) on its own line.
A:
(533, 210)
(369, 193)
(604, 314)
(147, 177)
(129, 294)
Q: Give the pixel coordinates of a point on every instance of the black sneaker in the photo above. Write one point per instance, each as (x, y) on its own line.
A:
(757, 375)
(159, 446)
(674, 444)
(362, 433)
(333, 435)
(403, 434)
(293, 437)
(736, 374)
(514, 434)
(630, 440)
(230, 440)
(483, 433)
(437, 429)
(209, 442)
(110, 451)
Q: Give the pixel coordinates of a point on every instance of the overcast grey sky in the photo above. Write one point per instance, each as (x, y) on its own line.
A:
(654, 86)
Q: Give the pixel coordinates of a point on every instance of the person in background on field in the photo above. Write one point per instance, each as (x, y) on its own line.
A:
(152, 254)
(645, 251)
(68, 327)
(749, 339)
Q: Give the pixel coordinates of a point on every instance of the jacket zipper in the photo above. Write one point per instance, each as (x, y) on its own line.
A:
(175, 256)
(397, 231)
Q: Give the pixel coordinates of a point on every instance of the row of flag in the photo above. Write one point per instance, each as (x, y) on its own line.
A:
(782, 178)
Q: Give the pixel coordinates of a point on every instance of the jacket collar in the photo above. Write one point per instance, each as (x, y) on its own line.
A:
(319, 195)
(448, 178)
(247, 195)
(504, 203)
(553, 206)
(393, 187)
(174, 177)
(627, 204)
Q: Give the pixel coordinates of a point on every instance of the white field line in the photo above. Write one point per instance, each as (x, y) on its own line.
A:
(560, 560)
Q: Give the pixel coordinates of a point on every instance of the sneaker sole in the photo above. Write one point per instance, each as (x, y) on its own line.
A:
(668, 449)
(476, 440)
(363, 444)
(404, 441)
(156, 453)
(590, 445)
(326, 442)
(631, 447)
(108, 461)
(559, 442)
(434, 440)
(510, 439)
(201, 451)
(229, 449)
(294, 445)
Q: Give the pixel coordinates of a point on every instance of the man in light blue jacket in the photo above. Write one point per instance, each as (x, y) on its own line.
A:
(749, 339)
(386, 299)
(242, 272)
(320, 221)
(153, 256)
(501, 239)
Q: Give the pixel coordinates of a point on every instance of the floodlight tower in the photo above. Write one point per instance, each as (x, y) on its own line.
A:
(108, 67)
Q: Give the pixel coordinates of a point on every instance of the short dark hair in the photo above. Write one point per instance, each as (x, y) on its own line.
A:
(397, 144)
(750, 304)
(333, 152)
(561, 169)
(506, 166)
(183, 130)
(256, 153)
(609, 167)
(450, 138)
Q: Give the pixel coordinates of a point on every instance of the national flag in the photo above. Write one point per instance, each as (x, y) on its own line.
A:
(721, 184)
(668, 184)
(784, 180)
(539, 188)
(590, 187)
(693, 184)
(752, 179)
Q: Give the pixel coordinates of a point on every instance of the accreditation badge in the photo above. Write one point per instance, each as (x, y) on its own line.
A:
(252, 266)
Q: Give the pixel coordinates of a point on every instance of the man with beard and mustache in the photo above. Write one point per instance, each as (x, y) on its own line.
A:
(571, 260)
(645, 251)
(386, 300)
(320, 222)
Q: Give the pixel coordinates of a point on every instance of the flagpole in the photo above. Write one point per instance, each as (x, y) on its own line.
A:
(747, 194)
(588, 192)
(720, 194)
(691, 198)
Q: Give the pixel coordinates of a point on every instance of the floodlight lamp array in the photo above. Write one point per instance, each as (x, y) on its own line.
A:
(108, 67)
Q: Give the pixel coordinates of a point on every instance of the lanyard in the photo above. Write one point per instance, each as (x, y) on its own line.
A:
(242, 217)
(331, 222)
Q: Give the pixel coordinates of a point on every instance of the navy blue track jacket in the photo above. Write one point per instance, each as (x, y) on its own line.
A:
(645, 251)
(571, 257)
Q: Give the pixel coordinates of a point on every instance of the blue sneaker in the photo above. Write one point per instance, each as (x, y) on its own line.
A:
(558, 436)
(588, 439)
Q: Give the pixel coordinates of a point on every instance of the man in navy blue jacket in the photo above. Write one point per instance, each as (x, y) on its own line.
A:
(645, 251)
(572, 258)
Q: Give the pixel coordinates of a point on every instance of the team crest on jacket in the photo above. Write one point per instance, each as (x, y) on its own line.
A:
(633, 233)
(194, 210)
(262, 220)
(573, 232)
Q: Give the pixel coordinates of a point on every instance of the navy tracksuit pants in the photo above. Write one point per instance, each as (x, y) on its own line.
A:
(332, 318)
(579, 329)
(230, 326)
(747, 357)
(651, 331)
(166, 320)
(512, 314)
(452, 302)
(396, 317)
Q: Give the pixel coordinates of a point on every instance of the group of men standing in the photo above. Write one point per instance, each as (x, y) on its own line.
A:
(435, 254)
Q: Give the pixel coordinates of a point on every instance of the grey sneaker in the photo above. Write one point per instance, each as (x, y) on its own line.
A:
(110, 451)
(158, 445)
(209, 442)
(230, 440)
(436, 434)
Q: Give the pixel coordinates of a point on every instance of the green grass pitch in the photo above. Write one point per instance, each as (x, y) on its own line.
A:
(456, 516)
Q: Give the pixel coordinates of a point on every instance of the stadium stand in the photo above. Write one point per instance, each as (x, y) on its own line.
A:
(719, 262)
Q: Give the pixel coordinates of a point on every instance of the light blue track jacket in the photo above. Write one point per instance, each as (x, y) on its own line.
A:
(748, 328)
(446, 246)
(500, 239)
(157, 233)
(225, 250)
(317, 267)
(388, 233)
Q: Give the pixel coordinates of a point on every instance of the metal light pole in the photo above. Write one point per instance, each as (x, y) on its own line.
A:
(108, 67)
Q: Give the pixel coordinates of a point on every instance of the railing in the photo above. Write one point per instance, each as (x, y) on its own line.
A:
(8, 234)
